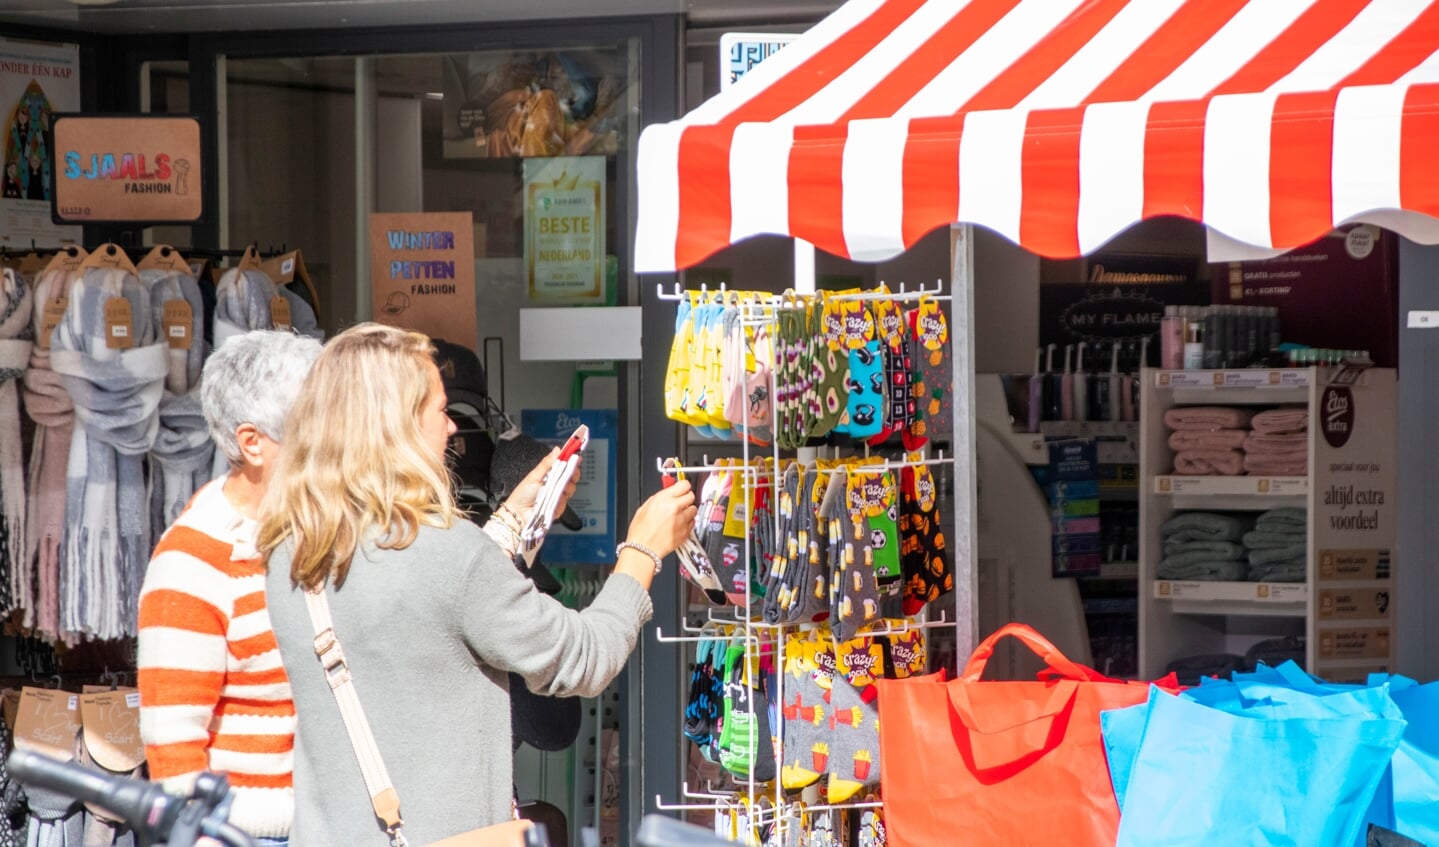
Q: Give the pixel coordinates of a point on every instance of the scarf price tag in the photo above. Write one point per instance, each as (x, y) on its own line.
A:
(280, 313)
(177, 319)
(119, 325)
(51, 316)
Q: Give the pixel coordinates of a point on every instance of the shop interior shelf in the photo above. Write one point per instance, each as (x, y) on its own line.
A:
(1266, 599)
(1244, 493)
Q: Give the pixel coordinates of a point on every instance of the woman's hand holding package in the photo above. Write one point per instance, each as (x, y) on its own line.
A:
(660, 525)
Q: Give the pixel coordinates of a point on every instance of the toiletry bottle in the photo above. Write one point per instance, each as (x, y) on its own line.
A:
(1051, 385)
(1213, 351)
(1036, 392)
(1115, 401)
(1081, 386)
(1171, 339)
(1252, 329)
(1276, 336)
(1194, 342)
(1066, 386)
(1224, 341)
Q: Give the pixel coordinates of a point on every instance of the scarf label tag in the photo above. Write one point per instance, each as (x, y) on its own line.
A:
(51, 317)
(280, 313)
(46, 723)
(177, 319)
(112, 730)
(118, 324)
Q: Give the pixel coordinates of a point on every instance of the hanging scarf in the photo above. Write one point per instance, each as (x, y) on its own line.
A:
(117, 397)
(36, 586)
(302, 316)
(180, 461)
(15, 315)
(242, 304)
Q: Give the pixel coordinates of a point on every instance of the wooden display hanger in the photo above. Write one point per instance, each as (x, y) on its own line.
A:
(110, 256)
(289, 268)
(164, 258)
(250, 260)
(67, 259)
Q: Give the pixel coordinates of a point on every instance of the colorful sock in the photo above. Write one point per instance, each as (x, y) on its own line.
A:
(745, 746)
(677, 375)
(812, 578)
(831, 370)
(904, 653)
(694, 561)
(873, 499)
(867, 826)
(899, 406)
(864, 410)
(935, 415)
(854, 722)
(779, 589)
(809, 671)
(702, 712)
(928, 574)
(757, 388)
(787, 355)
(724, 546)
(853, 594)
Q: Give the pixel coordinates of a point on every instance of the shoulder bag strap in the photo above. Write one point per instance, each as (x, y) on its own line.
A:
(383, 798)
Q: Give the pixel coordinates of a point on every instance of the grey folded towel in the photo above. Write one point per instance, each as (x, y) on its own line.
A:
(1263, 540)
(1202, 526)
(1207, 549)
(1278, 554)
(1286, 517)
(1279, 572)
(1208, 570)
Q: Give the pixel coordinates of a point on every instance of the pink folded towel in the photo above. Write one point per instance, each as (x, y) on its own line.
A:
(1206, 418)
(1218, 439)
(1283, 464)
(1293, 442)
(1279, 421)
(1209, 463)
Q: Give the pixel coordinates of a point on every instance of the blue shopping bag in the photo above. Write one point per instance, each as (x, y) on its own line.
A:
(1205, 776)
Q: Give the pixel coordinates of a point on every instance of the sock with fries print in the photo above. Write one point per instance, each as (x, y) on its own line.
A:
(854, 721)
(809, 670)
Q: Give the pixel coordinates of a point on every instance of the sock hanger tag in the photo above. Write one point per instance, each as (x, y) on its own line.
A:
(119, 324)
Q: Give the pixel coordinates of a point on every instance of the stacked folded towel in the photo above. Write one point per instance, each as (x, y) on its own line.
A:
(1277, 546)
(1279, 443)
(1206, 440)
(1202, 546)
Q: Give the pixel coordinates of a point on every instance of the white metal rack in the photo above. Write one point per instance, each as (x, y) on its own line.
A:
(770, 802)
(1345, 611)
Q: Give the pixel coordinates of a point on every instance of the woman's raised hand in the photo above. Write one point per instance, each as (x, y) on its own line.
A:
(665, 520)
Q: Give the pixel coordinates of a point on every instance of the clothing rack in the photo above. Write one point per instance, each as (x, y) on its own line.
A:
(140, 251)
(736, 624)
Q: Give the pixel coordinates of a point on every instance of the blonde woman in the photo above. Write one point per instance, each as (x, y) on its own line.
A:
(430, 611)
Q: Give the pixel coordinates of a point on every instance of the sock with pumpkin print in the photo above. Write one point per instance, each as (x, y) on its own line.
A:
(928, 574)
(930, 352)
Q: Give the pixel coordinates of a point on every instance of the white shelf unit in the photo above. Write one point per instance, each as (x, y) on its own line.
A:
(1345, 607)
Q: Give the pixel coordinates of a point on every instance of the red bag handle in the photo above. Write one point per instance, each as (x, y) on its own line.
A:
(1057, 661)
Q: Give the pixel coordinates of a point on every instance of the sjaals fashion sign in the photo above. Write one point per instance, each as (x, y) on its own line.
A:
(127, 169)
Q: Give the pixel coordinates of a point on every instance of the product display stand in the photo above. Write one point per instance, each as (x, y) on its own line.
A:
(1344, 608)
(752, 802)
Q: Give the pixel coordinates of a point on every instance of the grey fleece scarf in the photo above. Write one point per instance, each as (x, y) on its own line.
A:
(242, 304)
(15, 315)
(117, 397)
(180, 461)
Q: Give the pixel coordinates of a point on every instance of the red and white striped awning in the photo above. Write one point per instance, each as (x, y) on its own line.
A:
(1058, 124)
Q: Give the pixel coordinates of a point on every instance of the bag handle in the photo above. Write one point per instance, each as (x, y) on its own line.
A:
(1057, 661)
(383, 797)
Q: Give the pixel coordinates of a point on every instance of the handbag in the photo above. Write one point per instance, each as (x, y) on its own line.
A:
(1014, 763)
(383, 797)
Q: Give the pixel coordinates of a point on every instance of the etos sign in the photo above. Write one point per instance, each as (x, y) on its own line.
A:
(127, 169)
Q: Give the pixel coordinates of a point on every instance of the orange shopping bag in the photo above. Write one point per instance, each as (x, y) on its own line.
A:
(1012, 763)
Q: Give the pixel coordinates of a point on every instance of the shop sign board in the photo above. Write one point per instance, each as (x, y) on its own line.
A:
(594, 499)
(422, 273)
(127, 169)
(1355, 521)
(565, 229)
(741, 51)
(38, 80)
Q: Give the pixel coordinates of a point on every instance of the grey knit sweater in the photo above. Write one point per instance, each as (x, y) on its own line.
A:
(430, 632)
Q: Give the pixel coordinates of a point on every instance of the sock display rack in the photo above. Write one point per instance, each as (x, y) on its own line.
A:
(814, 567)
(1268, 520)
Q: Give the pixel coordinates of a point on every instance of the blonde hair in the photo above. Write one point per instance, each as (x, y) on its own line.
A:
(354, 463)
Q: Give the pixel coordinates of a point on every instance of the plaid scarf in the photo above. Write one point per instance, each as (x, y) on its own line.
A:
(180, 461)
(15, 314)
(117, 397)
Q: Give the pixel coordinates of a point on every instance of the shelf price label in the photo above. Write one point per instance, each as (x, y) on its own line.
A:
(1281, 485)
(1188, 379)
(1281, 592)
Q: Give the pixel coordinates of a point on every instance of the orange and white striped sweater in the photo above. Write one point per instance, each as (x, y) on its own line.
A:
(213, 691)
